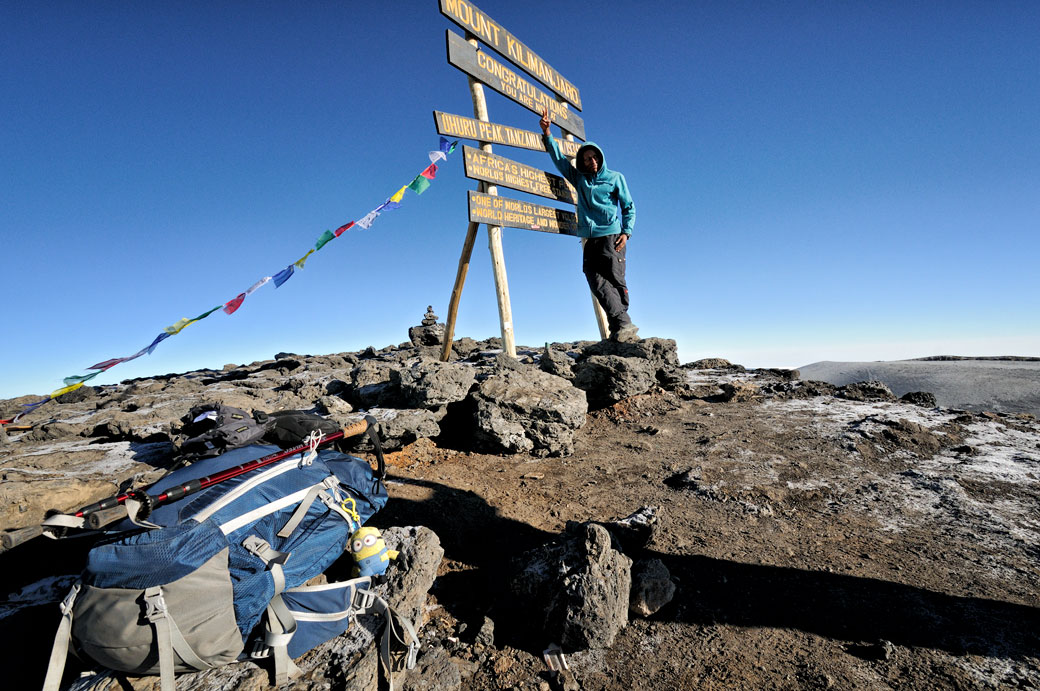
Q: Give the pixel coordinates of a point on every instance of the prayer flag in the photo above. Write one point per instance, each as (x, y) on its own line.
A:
(344, 228)
(80, 378)
(158, 339)
(65, 390)
(108, 364)
(206, 313)
(303, 260)
(174, 329)
(419, 184)
(142, 351)
(324, 239)
(430, 172)
(282, 276)
(233, 304)
(256, 285)
(30, 406)
(438, 156)
(444, 146)
(453, 145)
(366, 222)
(399, 194)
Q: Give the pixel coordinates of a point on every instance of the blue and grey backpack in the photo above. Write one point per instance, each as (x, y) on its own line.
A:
(219, 575)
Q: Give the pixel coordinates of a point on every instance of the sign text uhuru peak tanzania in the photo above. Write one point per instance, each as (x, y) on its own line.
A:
(481, 165)
(514, 213)
(484, 68)
(470, 128)
(466, 15)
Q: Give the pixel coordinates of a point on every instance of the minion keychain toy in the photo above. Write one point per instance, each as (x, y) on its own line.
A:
(370, 552)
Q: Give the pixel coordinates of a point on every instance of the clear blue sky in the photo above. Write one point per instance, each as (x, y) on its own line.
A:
(813, 180)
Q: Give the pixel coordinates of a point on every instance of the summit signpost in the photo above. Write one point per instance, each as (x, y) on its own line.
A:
(534, 84)
(481, 66)
(498, 170)
(469, 128)
(466, 15)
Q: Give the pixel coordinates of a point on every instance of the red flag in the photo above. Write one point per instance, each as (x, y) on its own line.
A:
(231, 305)
(108, 364)
(343, 229)
(430, 172)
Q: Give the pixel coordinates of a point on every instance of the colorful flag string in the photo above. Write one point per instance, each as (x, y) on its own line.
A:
(418, 185)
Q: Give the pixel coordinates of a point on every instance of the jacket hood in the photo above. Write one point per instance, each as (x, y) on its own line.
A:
(587, 146)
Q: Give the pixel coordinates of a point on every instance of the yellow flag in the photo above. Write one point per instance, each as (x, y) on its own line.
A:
(66, 389)
(174, 329)
(303, 260)
(399, 195)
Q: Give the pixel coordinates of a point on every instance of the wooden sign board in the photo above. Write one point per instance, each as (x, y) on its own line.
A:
(466, 15)
(482, 67)
(515, 213)
(470, 128)
(498, 170)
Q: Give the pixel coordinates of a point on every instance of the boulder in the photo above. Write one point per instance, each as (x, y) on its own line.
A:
(659, 352)
(397, 427)
(426, 335)
(921, 398)
(526, 410)
(739, 391)
(866, 391)
(652, 587)
(372, 385)
(607, 379)
(713, 363)
(674, 379)
(55, 430)
(557, 363)
(635, 531)
(431, 385)
(434, 671)
(579, 585)
(464, 347)
(333, 405)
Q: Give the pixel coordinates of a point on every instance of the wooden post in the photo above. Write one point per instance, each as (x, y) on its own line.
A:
(498, 262)
(597, 309)
(456, 292)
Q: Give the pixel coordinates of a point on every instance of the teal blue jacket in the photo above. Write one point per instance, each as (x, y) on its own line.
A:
(599, 195)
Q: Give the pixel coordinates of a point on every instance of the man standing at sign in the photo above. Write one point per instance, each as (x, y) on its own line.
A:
(601, 192)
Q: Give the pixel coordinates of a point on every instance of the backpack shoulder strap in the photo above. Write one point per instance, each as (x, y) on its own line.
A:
(398, 637)
(60, 650)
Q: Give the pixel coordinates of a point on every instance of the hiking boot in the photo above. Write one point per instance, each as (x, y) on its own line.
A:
(627, 334)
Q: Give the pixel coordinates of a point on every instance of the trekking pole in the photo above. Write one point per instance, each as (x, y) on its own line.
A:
(101, 513)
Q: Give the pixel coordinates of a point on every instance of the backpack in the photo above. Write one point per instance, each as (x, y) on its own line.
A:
(213, 428)
(209, 579)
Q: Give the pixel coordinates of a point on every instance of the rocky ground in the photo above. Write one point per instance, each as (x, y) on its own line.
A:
(816, 536)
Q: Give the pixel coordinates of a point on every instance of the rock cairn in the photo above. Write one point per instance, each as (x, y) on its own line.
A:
(429, 332)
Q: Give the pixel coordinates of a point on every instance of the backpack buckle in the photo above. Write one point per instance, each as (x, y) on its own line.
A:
(155, 605)
(70, 599)
(260, 651)
(413, 652)
(363, 600)
(554, 658)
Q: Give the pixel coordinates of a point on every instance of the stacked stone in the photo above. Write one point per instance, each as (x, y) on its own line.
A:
(429, 332)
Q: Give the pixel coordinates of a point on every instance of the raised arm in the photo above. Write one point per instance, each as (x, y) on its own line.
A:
(558, 159)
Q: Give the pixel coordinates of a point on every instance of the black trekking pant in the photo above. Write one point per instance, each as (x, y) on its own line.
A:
(604, 268)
